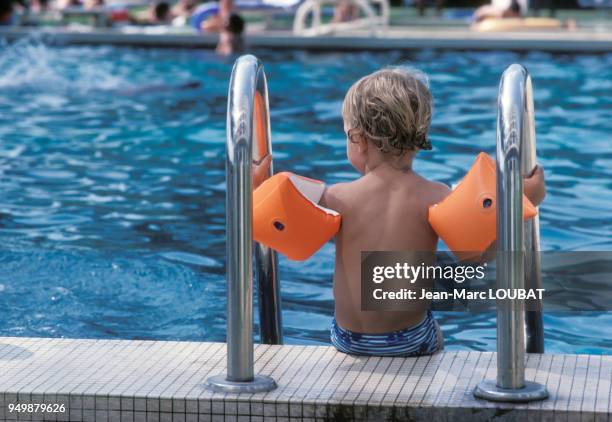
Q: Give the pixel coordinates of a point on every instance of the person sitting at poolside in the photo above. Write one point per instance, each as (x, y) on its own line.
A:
(345, 11)
(387, 117)
(510, 17)
(230, 38)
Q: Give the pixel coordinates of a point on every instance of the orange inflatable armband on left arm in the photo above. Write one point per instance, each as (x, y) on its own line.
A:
(287, 216)
(466, 219)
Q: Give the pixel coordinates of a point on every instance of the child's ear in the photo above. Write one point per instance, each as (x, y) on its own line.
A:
(363, 145)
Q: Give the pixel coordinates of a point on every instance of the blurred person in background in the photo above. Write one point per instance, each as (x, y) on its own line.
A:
(182, 11)
(160, 14)
(93, 4)
(212, 16)
(7, 13)
(500, 9)
(40, 6)
(231, 39)
(345, 11)
(220, 17)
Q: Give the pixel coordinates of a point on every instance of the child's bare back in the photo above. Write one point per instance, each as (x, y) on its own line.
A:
(385, 210)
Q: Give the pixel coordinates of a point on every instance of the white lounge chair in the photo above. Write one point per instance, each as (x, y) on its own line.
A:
(375, 14)
(372, 19)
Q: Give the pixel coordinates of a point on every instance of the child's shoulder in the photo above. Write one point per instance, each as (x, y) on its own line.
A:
(337, 196)
(430, 191)
(437, 190)
(340, 196)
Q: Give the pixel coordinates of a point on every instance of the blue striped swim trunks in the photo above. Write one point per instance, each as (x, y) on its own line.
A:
(421, 339)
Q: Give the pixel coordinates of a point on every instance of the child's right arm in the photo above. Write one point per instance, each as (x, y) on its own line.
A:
(332, 197)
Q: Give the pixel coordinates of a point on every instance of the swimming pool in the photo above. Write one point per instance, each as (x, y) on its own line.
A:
(112, 181)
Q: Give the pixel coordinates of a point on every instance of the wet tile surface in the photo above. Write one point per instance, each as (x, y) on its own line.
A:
(117, 380)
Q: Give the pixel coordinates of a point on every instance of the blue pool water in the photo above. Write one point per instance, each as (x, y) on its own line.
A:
(112, 181)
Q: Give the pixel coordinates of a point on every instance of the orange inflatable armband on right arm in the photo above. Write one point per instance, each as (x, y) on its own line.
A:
(466, 219)
(287, 216)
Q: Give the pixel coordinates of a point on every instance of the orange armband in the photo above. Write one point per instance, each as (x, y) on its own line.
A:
(466, 219)
(287, 216)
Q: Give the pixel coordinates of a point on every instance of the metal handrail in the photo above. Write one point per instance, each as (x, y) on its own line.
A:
(375, 17)
(534, 326)
(248, 164)
(516, 157)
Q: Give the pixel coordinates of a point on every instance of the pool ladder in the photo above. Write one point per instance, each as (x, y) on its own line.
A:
(248, 162)
(518, 243)
(249, 154)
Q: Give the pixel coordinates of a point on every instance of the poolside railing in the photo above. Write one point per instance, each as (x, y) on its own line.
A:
(516, 157)
(248, 163)
(376, 16)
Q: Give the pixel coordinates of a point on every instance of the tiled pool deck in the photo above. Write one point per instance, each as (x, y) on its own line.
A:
(164, 381)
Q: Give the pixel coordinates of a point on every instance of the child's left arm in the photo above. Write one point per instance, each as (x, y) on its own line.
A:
(332, 197)
(261, 171)
(534, 186)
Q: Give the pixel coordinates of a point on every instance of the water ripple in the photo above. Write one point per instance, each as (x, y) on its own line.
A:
(112, 181)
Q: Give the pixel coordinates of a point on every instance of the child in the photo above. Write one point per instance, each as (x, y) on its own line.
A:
(386, 119)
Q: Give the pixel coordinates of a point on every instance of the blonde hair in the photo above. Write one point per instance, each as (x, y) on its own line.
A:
(392, 109)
